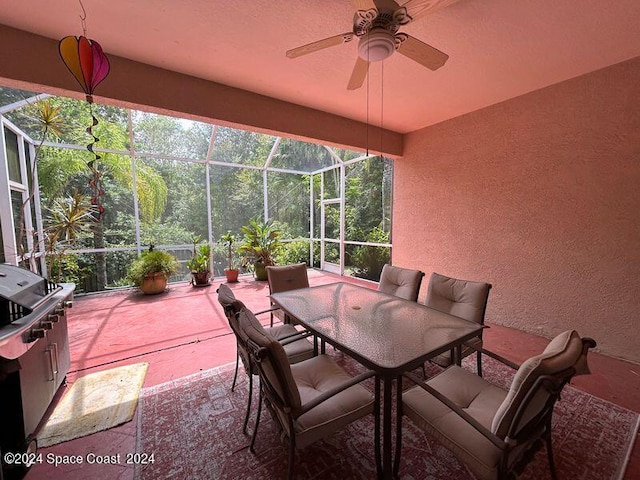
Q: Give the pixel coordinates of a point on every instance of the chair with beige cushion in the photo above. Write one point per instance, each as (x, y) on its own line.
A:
(296, 346)
(464, 299)
(494, 431)
(401, 282)
(284, 278)
(310, 400)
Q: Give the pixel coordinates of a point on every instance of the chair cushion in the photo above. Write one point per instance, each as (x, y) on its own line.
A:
(276, 364)
(287, 277)
(226, 298)
(315, 376)
(562, 352)
(401, 282)
(462, 298)
(225, 294)
(296, 351)
(475, 396)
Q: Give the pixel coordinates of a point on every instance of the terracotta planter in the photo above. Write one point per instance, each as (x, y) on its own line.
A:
(232, 275)
(154, 283)
(200, 279)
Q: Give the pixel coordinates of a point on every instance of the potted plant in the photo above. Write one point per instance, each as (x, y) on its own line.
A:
(261, 244)
(231, 273)
(199, 264)
(151, 271)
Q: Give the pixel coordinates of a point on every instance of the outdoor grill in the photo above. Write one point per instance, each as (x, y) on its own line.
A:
(34, 355)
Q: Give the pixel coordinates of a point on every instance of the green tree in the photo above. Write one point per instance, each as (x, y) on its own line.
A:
(368, 197)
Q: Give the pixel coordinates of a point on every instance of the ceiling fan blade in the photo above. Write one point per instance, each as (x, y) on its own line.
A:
(363, 4)
(358, 74)
(319, 45)
(420, 8)
(420, 52)
(386, 5)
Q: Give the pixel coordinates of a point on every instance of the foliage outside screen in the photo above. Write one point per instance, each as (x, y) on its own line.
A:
(171, 193)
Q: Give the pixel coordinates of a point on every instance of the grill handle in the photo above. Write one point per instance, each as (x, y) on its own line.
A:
(55, 356)
(52, 350)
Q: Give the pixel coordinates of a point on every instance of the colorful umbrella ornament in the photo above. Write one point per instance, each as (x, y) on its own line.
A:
(86, 61)
(89, 65)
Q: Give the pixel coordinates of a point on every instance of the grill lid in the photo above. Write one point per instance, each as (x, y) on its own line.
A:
(23, 287)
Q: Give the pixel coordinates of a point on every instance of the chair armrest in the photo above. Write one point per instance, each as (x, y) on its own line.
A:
(294, 337)
(495, 356)
(498, 442)
(334, 391)
(272, 309)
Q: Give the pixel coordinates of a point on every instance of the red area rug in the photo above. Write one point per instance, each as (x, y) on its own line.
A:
(193, 425)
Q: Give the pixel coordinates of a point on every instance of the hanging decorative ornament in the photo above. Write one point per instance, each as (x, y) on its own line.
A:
(89, 65)
(86, 61)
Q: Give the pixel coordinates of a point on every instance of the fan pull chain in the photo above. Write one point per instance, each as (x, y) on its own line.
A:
(368, 75)
(381, 106)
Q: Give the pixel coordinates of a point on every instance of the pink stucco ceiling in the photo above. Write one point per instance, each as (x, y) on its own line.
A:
(498, 49)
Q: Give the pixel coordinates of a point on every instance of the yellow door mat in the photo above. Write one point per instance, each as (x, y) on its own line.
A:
(95, 402)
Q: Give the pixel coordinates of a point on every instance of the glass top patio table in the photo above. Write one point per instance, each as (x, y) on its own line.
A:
(383, 332)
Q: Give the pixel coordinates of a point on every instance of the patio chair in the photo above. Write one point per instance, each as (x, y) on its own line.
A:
(296, 346)
(401, 282)
(310, 400)
(495, 432)
(464, 299)
(284, 278)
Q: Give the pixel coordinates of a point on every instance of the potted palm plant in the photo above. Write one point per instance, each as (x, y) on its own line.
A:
(261, 244)
(231, 273)
(151, 271)
(199, 264)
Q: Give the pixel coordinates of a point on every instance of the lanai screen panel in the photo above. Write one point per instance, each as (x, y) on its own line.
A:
(236, 197)
(68, 120)
(300, 156)
(368, 200)
(288, 200)
(368, 216)
(64, 176)
(172, 201)
(241, 147)
(345, 155)
(12, 95)
(331, 183)
(162, 135)
(65, 196)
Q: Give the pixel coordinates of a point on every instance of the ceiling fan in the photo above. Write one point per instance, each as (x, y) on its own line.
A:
(376, 23)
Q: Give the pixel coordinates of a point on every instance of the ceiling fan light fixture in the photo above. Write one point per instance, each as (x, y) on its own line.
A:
(376, 45)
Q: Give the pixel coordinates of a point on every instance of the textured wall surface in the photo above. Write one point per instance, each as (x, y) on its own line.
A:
(540, 196)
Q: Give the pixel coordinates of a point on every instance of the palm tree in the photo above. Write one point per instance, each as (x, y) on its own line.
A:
(71, 218)
(48, 121)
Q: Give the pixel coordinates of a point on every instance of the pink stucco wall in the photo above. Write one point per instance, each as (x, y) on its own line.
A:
(540, 196)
